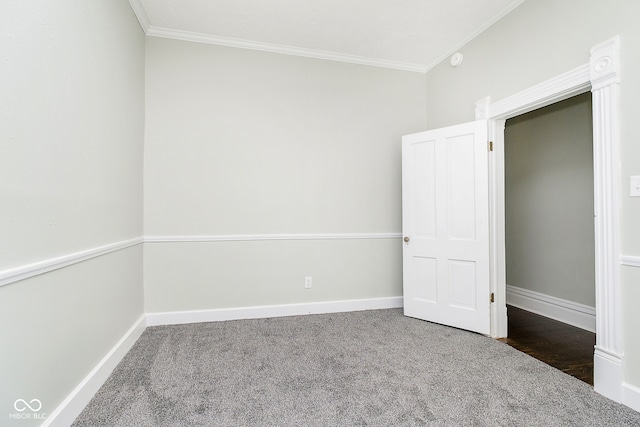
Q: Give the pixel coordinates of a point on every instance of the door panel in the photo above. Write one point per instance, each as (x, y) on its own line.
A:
(461, 188)
(445, 217)
(426, 272)
(425, 191)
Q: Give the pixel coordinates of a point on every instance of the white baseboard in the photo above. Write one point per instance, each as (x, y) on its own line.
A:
(607, 374)
(72, 406)
(216, 315)
(631, 396)
(572, 313)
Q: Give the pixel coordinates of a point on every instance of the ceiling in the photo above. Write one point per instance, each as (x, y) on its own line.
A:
(412, 35)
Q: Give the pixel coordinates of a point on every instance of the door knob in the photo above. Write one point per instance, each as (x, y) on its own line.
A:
(406, 239)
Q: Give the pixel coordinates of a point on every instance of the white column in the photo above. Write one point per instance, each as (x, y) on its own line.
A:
(605, 80)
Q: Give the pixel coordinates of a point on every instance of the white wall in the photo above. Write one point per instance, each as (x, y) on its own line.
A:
(71, 135)
(549, 201)
(537, 41)
(246, 142)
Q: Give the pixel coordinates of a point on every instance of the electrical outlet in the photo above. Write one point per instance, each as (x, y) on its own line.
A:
(308, 282)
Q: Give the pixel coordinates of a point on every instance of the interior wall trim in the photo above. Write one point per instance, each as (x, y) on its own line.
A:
(630, 261)
(140, 13)
(579, 315)
(24, 272)
(564, 86)
(604, 62)
(607, 366)
(189, 36)
(261, 312)
(259, 237)
(155, 31)
(604, 80)
(75, 402)
(631, 396)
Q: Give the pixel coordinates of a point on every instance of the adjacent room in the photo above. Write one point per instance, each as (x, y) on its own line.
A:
(202, 202)
(550, 234)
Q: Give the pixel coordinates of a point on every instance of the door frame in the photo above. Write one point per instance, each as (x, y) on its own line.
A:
(601, 75)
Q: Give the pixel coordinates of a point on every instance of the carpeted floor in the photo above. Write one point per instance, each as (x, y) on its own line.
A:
(376, 368)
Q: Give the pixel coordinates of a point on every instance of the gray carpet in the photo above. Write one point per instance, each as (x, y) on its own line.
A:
(374, 368)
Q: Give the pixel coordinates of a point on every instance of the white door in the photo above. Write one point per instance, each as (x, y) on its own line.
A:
(445, 221)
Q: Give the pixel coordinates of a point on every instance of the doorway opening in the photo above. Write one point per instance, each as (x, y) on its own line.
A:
(549, 234)
(602, 77)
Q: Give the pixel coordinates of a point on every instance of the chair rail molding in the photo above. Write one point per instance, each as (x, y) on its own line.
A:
(630, 261)
(259, 237)
(24, 272)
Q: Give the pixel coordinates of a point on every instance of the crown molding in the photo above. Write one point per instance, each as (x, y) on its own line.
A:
(143, 19)
(167, 33)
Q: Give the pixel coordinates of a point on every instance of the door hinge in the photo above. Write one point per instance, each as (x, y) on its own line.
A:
(490, 145)
(492, 297)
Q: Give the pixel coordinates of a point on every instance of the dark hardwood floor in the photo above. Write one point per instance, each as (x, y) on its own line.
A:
(562, 346)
